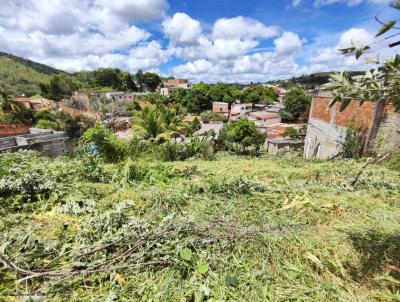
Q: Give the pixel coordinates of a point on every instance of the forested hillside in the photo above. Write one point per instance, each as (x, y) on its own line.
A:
(23, 76)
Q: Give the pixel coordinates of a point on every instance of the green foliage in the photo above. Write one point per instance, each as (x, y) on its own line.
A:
(240, 135)
(47, 124)
(242, 230)
(108, 77)
(151, 121)
(352, 145)
(200, 148)
(23, 76)
(379, 84)
(296, 104)
(110, 147)
(45, 114)
(259, 94)
(212, 116)
(150, 81)
(193, 127)
(60, 86)
(8, 102)
(394, 162)
(292, 132)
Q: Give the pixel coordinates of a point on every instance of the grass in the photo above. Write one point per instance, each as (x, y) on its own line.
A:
(23, 76)
(310, 236)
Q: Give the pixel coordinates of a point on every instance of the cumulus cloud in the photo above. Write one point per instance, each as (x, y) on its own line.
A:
(242, 28)
(288, 43)
(182, 29)
(319, 3)
(77, 34)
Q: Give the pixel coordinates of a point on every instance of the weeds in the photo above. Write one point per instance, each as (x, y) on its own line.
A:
(233, 229)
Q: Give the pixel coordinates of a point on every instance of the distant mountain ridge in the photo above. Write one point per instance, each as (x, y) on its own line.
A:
(312, 80)
(22, 75)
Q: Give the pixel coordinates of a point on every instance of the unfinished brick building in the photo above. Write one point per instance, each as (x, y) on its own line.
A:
(327, 127)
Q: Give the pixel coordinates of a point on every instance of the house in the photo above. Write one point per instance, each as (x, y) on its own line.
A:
(278, 130)
(24, 100)
(221, 108)
(263, 118)
(327, 127)
(36, 104)
(121, 96)
(275, 108)
(210, 127)
(171, 85)
(239, 110)
(190, 118)
(277, 146)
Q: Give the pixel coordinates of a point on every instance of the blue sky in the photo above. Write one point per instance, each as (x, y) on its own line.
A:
(209, 40)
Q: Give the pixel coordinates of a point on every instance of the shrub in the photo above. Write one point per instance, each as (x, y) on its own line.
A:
(394, 162)
(130, 172)
(352, 144)
(47, 124)
(45, 115)
(241, 185)
(203, 149)
(109, 146)
(239, 135)
(291, 132)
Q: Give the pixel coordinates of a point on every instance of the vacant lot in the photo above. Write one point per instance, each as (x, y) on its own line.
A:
(234, 229)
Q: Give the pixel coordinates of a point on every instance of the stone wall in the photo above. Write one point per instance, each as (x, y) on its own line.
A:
(48, 142)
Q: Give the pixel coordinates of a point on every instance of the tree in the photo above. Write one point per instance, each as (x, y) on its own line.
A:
(127, 81)
(171, 117)
(151, 121)
(296, 103)
(259, 94)
(201, 92)
(186, 98)
(109, 110)
(60, 86)
(150, 81)
(107, 77)
(379, 84)
(242, 133)
(8, 102)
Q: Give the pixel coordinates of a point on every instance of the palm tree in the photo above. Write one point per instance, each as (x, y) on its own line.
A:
(150, 120)
(8, 102)
(171, 117)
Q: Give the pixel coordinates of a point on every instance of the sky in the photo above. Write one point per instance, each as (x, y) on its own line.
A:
(209, 40)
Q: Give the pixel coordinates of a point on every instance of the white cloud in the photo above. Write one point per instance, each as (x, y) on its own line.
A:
(242, 28)
(359, 36)
(78, 34)
(182, 29)
(288, 43)
(319, 3)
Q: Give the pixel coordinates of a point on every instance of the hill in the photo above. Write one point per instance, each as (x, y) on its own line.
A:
(22, 75)
(233, 229)
(312, 80)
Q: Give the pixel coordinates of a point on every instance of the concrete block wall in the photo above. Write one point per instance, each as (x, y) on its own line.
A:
(388, 135)
(327, 127)
(47, 142)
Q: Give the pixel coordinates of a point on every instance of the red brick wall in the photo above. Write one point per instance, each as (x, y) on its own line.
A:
(11, 130)
(363, 115)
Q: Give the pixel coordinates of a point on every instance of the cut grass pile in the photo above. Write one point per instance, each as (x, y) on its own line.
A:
(233, 229)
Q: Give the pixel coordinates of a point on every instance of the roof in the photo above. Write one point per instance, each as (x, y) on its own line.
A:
(191, 118)
(286, 140)
(263, 115)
